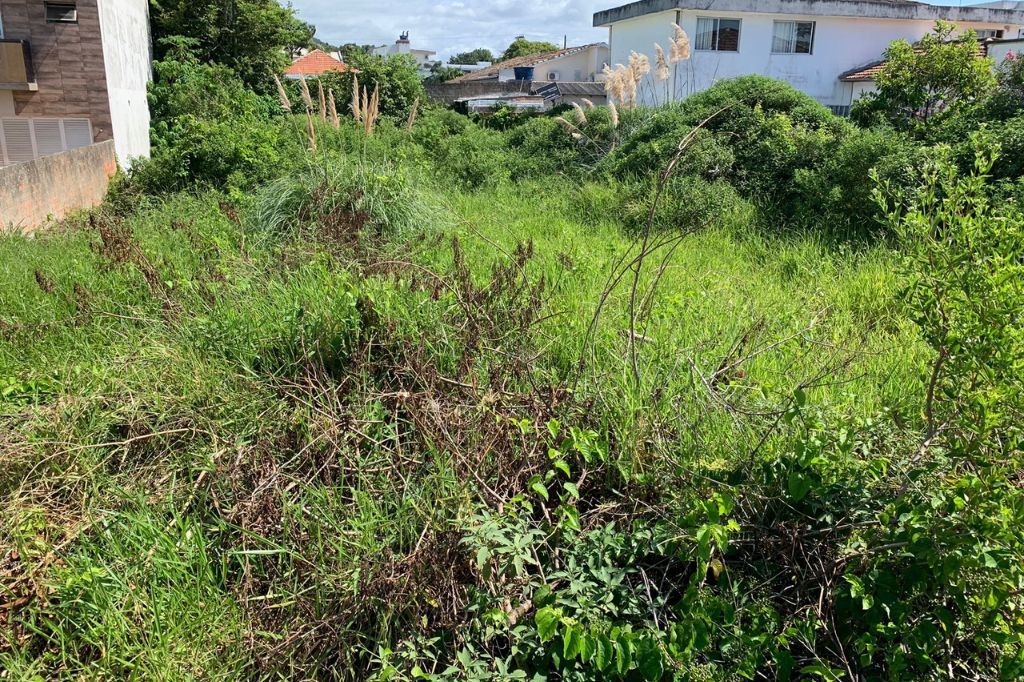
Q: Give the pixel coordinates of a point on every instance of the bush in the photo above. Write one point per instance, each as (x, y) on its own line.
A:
(763, 131)
(397, 78)
(835, 193)
(462, 152)
(208, 129)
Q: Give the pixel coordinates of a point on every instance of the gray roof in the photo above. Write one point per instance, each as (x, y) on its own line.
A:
(1000, 12)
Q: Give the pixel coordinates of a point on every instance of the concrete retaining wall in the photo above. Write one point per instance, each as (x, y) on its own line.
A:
(53, 186)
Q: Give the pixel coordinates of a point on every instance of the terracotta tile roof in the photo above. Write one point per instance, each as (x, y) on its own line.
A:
(493, 70)
(316, 63)
(869, 71)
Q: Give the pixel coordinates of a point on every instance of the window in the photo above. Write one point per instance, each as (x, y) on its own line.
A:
(793, 37)
(986, 33)
(61, 13)
(719, 35)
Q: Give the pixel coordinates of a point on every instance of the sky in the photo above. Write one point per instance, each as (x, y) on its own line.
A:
(453, 26)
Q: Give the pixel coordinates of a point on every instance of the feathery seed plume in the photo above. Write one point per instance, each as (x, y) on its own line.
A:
(662, 71)
(323, 100)
(639, 65)
(581, 116)
(335, 121)
(680, 50)
(307, 99)
(282, 95)
(356, 114)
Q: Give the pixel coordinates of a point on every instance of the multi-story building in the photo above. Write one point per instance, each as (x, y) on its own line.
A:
(73, 73)
(814, 45)
(424, 58)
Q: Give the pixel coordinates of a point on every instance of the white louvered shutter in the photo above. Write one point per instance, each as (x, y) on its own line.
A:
(77, 133)
(18, 140)
(48, 136)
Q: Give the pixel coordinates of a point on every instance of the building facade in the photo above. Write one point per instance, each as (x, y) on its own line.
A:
(809, 44)
(73, 73)
(425, 59)
(580, 64)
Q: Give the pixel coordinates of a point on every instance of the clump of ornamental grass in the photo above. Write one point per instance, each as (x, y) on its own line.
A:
(365, 106)
(338, 199)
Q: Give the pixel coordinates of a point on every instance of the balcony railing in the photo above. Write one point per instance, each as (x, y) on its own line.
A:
(16, 72)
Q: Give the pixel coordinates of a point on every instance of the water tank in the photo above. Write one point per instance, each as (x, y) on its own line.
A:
(524, 73)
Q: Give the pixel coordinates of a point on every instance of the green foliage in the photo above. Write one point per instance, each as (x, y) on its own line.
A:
(442, 74)
(396, 77)
(207, 129)
(941, 76)
(834, 193)
(964, 256)
(339, 199)
(521, 47)
(253, 38)
(481, 54)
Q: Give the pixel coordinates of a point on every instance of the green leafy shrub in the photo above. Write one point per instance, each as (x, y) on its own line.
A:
(834, 195)
(462, 152)
(208, 129)
(763, 132)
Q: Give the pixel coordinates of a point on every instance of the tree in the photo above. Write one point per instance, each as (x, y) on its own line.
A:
(351, 50)
(442, 74)
(251, 37)
(521, 47)
(939, 76)
(397, 77)
(481, 54)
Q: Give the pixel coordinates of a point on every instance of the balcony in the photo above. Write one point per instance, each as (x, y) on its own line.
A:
(16, 72)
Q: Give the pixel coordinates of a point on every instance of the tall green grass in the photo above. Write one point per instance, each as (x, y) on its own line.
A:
(219, 427)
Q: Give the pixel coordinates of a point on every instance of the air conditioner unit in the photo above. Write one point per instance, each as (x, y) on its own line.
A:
(553, 76)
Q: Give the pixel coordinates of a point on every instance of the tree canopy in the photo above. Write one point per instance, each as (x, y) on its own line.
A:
(939, 75)
(521, 47)
(480, 54)
(251, 37)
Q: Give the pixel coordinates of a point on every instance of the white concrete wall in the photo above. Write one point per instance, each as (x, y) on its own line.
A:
(840, 44)
(998, 51)
(127, 55)
(586, 64)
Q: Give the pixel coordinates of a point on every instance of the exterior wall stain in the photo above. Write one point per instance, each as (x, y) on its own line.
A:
(51, 187)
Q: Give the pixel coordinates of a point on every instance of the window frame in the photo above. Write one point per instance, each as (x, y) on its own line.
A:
(65, 6)
(797, 22)
(717, 34)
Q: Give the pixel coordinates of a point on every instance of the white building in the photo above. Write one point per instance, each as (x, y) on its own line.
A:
(810, 44)
(999, 50)
(581, 64)
(424, 58)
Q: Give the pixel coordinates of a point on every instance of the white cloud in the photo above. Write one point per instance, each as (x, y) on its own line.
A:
(452, 26)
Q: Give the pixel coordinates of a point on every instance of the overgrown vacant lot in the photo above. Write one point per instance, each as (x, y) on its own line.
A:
(417, 408)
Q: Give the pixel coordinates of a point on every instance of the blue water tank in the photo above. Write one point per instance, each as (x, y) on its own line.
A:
(524, 73)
